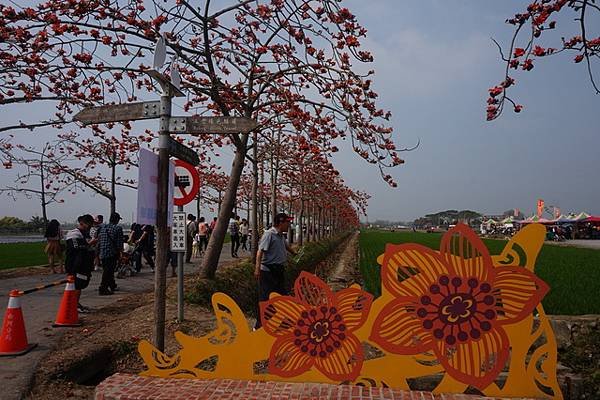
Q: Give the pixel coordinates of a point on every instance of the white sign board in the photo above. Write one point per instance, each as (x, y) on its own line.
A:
(178, 232)
(148, 188)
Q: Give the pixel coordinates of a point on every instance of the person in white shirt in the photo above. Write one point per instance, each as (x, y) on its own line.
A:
(244, 233)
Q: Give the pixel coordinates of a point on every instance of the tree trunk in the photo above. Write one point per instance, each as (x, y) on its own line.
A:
(291, 231)
(215, 245)
(319, 224)
(248, 210)
(301, 218)
(262, 203)
(113, 184)
(309, 237)
(273, 197)
(43, 191)
(274, 178)
(198, 207)
(268, 213)
(255, 231)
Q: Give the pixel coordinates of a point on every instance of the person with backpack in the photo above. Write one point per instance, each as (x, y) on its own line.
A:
(79, 259)
(110, 248)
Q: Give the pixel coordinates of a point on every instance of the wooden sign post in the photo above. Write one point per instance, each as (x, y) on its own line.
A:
(118, 113)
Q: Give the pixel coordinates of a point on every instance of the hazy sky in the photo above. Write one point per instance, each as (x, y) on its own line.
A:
(434, 61)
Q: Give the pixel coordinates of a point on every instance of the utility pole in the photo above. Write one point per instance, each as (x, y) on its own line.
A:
(162, 242)
(180, 278)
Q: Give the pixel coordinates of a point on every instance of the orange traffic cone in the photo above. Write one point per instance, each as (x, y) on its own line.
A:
(13, 341)
(67, 312)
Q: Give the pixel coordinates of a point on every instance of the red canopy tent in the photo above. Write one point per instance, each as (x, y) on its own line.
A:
(593, 218)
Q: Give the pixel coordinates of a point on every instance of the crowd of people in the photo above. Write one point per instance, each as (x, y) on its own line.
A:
(96, 245)
(198, 234)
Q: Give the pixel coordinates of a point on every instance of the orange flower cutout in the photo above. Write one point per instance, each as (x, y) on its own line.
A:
(455, 303)
(314, 328)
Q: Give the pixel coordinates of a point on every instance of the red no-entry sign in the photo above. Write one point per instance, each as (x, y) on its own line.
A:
(187, 183)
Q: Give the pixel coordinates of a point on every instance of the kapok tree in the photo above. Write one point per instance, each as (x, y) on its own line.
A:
(526, 47)
(37, 175)
(248, 58)
(292, 58)
(92, 156)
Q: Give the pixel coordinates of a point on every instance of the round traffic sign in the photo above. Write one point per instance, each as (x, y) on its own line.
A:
(187, 183)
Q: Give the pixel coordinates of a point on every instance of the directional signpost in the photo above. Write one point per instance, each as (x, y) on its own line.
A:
(167, 146)
(218, 125)
(118, 113)
(182, 152)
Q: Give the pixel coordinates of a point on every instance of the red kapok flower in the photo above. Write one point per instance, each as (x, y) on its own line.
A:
(314, 328)
(519, 52)
(455, 303)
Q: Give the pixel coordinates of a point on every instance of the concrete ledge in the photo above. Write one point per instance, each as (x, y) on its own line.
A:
(135, 387)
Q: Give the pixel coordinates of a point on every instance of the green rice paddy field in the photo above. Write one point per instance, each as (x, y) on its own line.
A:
(16, 255)
(572, 273)
(13, 255)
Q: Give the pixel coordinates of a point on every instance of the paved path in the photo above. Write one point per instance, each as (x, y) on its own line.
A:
(129, 387)
(39, 309)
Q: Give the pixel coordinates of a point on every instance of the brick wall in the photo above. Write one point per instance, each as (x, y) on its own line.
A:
(134, 387)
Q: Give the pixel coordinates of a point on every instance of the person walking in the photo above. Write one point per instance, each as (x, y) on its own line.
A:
(190, 231)
(244, 229)
(145, 247)
(234, 233)
(54, 249)
(202, 235)
(271, 258)
(94, 232)
(79, 259)
(135, 233)
(111, 246)
(211, 227)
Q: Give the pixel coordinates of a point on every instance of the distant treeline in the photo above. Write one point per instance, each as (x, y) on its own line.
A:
(448, 217)
(16, 226)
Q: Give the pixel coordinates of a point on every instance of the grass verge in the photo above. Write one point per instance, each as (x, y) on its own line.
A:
(14, 255)
(572, 273)
(239, 282)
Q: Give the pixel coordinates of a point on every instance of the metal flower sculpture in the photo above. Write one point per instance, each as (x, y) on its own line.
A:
(455, 303)
(457, 314)
(315, 328)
